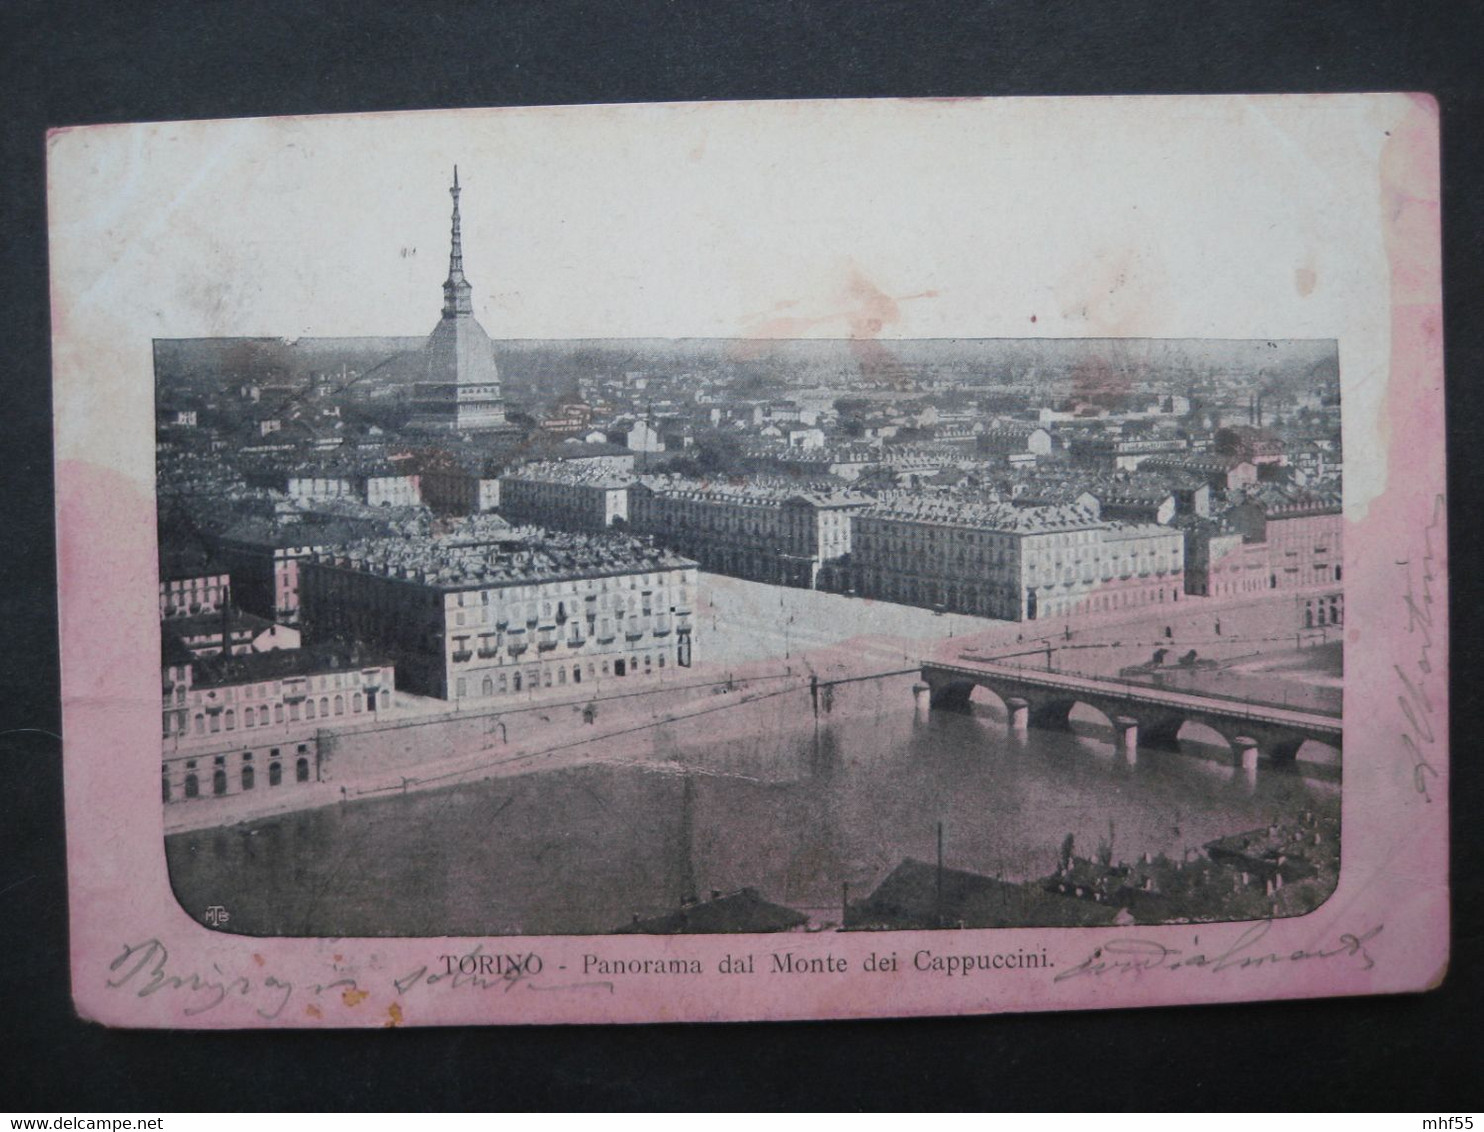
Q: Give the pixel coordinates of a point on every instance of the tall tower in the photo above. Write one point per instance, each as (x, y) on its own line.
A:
(462, 390)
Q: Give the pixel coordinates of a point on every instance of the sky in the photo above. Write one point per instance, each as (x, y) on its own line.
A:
(1231, 217)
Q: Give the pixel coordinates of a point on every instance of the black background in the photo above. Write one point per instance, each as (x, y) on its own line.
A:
(64, 64)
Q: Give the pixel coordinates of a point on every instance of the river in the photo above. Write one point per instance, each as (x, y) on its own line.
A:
(794, 810)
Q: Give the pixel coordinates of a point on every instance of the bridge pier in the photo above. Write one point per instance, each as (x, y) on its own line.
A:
(1018, 712)
(922, 699)
(1245, 753)
(1127, 729)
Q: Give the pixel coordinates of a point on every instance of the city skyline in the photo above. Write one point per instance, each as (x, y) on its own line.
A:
(378, 582)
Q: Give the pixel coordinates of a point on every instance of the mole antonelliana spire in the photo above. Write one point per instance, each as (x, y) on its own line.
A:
(461, 392)
(458, 295)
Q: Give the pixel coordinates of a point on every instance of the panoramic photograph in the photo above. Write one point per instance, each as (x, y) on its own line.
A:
(472, 635)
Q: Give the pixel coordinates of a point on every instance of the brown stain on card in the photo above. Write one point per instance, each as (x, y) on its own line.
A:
(862, 309)
(352, 996)
(393, 1017)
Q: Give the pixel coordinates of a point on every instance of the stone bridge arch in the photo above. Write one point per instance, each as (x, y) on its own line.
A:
(1135, 720)
(1054, 713)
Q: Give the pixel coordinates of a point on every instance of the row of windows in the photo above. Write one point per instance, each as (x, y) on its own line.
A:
(213, 722)
(273, 689)
(190, 783)
(548, 676)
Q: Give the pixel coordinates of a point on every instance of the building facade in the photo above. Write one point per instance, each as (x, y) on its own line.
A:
(485, 619)
(189, 593)
(233, 726)
(565, 495)
(260, 691)
(760, 533)
(1303, 538)
(1262, 545)
(378, 487)
(1011, 563)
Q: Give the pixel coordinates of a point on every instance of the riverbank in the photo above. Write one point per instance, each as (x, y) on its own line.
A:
(1287, 868)
(742, 626)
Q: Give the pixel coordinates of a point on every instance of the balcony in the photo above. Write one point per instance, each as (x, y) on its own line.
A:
(487, 654)
(462, 655)
(515, 648)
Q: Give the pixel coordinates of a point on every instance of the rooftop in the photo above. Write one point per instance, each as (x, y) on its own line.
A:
(520, 555)
(574, 472)
(250, 668)
(743, 911)
(750, 492)
(951, 511)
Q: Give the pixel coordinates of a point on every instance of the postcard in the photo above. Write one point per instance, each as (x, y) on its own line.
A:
(741, 561)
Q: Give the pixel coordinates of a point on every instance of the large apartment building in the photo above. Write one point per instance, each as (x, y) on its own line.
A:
(1267, 542)
(235, 724)
(1012, 563)
(566, 495)
(479, 617)
(766, 534)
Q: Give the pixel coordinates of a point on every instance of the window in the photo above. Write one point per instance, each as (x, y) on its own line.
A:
(275, 773)
(301, 770)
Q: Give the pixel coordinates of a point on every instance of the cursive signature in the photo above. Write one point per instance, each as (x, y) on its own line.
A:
(1420, 735)
(1134, 956)
(144, 969)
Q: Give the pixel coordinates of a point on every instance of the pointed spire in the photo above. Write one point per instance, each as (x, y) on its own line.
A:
(457, 293)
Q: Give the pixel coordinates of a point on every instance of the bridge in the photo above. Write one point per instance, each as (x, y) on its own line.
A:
(1141, 714)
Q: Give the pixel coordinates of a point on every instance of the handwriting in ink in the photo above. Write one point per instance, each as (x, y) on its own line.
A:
(1420, 735)
(144, 970)
(1125, 956)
